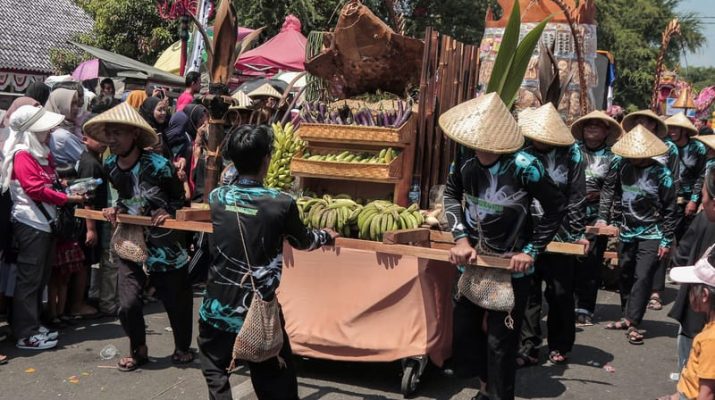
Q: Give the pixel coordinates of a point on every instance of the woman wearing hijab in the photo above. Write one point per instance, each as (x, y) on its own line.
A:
(136, 98)
(28, 172)
(65, 145)
(38, 91)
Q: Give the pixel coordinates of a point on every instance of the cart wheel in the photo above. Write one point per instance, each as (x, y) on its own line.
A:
(410, 377)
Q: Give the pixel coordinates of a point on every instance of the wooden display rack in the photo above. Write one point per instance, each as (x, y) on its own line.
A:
(377, 179)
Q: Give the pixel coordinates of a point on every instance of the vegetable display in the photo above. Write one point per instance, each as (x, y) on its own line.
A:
(319, 113)
(385, 156)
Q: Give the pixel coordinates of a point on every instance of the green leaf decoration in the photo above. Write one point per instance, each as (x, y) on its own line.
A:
(507, 48)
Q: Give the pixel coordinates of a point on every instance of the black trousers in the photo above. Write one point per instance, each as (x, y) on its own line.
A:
(36, 251)
(491, 355)
(174, 291)
(557, 271)
(587, 279)
(638, 262)
(270, 380)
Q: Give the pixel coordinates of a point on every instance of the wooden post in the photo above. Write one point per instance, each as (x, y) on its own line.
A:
(217, 102)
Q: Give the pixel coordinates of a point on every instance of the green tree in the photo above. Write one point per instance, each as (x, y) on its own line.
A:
(699, 77)
(631, 30)
(129, 27)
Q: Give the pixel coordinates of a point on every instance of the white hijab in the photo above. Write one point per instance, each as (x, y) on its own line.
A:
(19, 141)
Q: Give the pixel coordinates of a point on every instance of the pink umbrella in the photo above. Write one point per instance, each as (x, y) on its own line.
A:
(87, 70)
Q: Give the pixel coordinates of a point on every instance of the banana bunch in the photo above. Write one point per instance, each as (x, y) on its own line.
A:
(385, 156)
(286, 144)
(338, 213)
(381, 216)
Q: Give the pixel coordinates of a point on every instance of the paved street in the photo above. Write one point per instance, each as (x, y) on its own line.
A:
(75, 370)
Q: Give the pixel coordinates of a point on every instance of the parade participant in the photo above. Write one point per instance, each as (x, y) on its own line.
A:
(146, 184)
(497, 184)
(551, 143)
(643, 191)
(28, 171)
(193, 86)
(709, 142)
(596, 132)
(671, 159)
(250, 224)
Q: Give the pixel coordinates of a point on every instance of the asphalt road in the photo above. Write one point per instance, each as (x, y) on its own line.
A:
(75, 370)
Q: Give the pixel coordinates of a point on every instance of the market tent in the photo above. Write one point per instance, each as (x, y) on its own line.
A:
(170, 59)
(114, 63)
(283, 52)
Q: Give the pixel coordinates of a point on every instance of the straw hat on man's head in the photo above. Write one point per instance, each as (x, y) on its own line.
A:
(614, 128)
(631, 120)
(679, 120)
(639, 142)
(265, 90)
(483, 124)
(708, 140)
(121, 115)
(544, 125)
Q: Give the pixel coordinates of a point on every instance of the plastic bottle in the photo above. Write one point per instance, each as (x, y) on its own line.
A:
(415, 194)
(108, 352)
(84, 186)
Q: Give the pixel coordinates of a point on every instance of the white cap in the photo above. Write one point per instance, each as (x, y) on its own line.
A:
(701, 272)
(34, 119)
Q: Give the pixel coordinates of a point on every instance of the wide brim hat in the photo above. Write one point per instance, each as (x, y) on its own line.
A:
(483, 124)
(544, 125)
(122, 114)
(614, 128)
(34, 119)
(639, 142)
(708, 140)
(702, 272)
(679, 120)
(629, 122)
(242, 100)
(265, 90)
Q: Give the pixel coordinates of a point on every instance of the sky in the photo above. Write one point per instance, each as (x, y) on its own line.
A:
(706, 55)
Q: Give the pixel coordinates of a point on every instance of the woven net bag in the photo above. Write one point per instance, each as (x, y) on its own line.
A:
(261, 336)
(488, 288)
(129, 244)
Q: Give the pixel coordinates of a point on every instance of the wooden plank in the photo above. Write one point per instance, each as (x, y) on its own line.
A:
(191, 226)
(193, 214)
(415, 251)
(406, 236)
(441, 237)
(609, 255)
(200, 206)
(602, 230)
(566, 248)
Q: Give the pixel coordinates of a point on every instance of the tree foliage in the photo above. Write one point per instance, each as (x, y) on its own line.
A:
(699, 77)
(631, 30)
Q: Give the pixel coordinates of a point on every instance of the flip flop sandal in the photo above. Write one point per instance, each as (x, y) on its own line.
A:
(634, 337)
(620, 325)
(584, 320)
(557, 358)
(655, 304)
(3, 359)
(131, 363)
(178, 357)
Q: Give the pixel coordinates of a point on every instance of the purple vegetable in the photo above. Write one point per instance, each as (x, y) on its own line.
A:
(405, 117)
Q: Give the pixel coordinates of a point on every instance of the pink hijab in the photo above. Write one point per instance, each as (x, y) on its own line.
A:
(19, 102)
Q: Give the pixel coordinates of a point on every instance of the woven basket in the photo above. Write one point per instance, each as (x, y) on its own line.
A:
(359, 134)
(346, 170)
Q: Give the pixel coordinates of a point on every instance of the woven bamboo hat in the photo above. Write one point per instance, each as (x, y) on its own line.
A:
(242, 99)
(544, 124)
(265, 90)
(123, 114)
(708, 140)
(614, 128)
(681, 121)
(483, 124)
(629, 122)
(639, 143)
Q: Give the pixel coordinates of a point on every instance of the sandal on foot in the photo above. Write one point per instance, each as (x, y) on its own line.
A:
(524, 360)
(620, 325)
(583, 320)
(654, 303)
(182, 357)
(3, 359)
(634, 337)
(136, 360)
(557, 358)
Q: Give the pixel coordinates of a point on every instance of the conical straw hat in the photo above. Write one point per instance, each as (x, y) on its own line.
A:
(243, 100)
(681, 121)
(708, 140)
(265, 90)
(629, 122)
(614, 128)
(639, 143)
(122, 114)
(483, 124)
(544, 125)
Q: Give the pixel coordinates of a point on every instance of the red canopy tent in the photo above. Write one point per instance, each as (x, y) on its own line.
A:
(283, 52)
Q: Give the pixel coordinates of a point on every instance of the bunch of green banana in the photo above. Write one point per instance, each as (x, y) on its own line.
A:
(382, 216)
(385, 156)
(286, 144)
(337, 213)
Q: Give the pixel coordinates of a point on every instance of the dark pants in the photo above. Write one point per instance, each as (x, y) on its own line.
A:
(557, 270)
(588, 275)
(270, 380)
(638, 262)
(491, 355)
(172, 288)
(36, 251)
